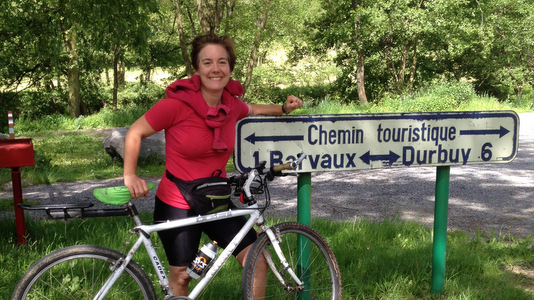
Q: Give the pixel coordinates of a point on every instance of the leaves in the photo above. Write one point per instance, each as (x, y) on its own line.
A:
(429, 40)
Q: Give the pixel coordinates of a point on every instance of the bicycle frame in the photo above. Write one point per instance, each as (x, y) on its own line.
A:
(144, 232)
(256, 218)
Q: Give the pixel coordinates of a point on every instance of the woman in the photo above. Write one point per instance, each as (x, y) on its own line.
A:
(199, 116)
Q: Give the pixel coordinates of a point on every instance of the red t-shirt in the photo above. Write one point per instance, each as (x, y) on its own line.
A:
(188, 144)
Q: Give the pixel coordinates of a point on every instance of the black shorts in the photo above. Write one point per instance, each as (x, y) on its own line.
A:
(181, 244)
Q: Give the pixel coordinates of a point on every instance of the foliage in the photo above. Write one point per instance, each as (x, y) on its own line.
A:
(395, 48)
(143, 95)
(443, 96)
(411, 43)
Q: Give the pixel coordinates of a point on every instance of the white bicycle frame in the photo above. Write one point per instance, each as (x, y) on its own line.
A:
(144, 232)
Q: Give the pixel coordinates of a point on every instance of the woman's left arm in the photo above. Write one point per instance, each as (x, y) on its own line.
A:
(290, 105)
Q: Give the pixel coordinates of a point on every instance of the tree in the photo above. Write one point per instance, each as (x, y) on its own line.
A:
(508, 67)
(181, 34)
(31, 52)
(345, 27)
(405, 43)
(261, 22)
(55, 38)
(119, 26)
(218, 17)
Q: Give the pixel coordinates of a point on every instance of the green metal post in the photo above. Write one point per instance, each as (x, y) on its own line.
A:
(304, 198)
(304, 217)
(440, 228)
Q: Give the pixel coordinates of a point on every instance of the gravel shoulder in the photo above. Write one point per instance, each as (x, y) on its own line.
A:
(495, 198)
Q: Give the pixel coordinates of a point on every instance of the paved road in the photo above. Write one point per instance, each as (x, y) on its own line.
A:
(495, 198)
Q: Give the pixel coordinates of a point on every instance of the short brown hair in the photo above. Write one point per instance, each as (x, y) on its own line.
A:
(203, 40)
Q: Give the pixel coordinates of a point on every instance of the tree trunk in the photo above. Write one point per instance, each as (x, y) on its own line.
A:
(183, 44)
(402, 69)
(73, 73)
(360, 77)
(203, 19)
(261, 23)
(389, 59)
(360, 70)
(116, 77)
(413, 68)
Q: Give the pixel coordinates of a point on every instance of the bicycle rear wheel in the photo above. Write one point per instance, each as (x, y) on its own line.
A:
(78, 272)
(308, 255)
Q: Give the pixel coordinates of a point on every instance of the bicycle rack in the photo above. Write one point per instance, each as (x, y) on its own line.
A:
(77, 210)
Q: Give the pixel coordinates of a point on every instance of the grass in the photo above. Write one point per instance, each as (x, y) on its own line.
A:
(378, 260)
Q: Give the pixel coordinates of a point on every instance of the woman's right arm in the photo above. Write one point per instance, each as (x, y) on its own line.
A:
(139, 130)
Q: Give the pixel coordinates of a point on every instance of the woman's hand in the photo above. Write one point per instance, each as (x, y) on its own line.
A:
(139, 130)
(137, 186)
(291, 104)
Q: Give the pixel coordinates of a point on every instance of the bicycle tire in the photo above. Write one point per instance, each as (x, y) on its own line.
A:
(323, 283)
(78, 272)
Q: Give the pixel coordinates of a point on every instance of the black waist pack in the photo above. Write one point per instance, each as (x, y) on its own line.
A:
(205, 195)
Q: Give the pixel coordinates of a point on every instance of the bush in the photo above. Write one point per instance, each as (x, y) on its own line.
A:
(442, 96)
(36, 104)
(142, 95)
(94, 95)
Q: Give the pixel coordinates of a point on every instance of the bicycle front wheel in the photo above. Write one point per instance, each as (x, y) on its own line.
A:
(78, 272)
(308, 255)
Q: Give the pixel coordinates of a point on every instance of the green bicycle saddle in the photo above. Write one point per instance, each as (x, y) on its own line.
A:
(116, 195)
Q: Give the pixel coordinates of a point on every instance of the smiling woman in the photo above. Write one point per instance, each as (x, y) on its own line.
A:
(199, 116)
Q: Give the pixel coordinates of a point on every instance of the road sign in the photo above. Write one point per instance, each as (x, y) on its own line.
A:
(366, 141)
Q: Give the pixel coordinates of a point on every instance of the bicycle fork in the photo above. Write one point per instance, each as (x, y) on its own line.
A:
(276, 238)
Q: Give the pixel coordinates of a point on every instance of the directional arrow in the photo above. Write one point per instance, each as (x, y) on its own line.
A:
(391, 157)
(275, 138)
(501, 132)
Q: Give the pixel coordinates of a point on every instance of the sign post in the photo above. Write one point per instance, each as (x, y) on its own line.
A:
(14, 154)
(304, 217)
(370, 141)
(439, 247)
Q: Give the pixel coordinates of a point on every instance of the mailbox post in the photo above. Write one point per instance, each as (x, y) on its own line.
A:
(14, 154)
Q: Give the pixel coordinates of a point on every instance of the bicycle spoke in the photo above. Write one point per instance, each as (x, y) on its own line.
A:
(79, 272)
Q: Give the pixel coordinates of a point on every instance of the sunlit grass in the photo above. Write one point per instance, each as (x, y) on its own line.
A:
(390, 259)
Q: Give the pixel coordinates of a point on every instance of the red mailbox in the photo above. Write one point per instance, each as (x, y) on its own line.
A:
(16, 153)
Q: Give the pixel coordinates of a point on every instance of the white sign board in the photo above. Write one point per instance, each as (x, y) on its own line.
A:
(365, 141)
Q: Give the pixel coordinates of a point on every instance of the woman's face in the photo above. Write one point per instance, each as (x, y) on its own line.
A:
(213, 68)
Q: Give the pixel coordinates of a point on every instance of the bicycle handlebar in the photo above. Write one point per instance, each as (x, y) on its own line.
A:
(244, 181)
(290, 165)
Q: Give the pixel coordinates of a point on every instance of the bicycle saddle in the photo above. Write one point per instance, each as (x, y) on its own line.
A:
(116, 195)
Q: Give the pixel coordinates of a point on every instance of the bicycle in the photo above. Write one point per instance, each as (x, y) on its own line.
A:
(301, 263)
